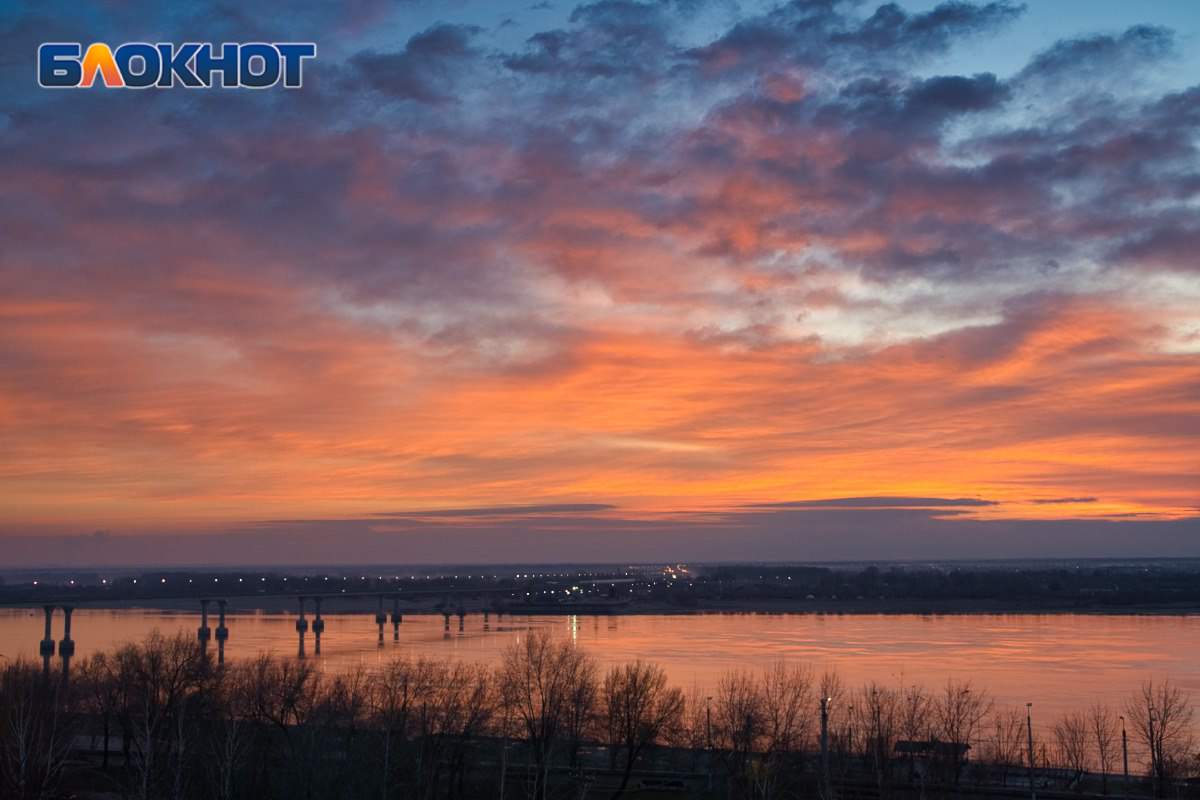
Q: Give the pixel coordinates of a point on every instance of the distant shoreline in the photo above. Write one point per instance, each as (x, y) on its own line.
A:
(359, 605)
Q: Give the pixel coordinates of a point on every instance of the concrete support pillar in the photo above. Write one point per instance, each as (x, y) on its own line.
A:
(46, 647)
(66, 648)
(462, 615)
(396, 619)
(301, 629)
(318, 626)
(203, 633)
(486, 622)
(222, 632)
(380, 620)
(446, 621)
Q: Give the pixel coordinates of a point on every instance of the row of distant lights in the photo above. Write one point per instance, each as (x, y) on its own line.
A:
(104, 581)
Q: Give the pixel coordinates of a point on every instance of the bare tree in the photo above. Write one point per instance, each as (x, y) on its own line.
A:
(639, 709)
(471, 696)
(400, 689)
(542, 683)
(581, 717)
(788, 708)
(283, 695)
(1102, 729)
(695, 722)
(34, 733)
(914, 714)
(1006, 742)
(159, 678)
(877, 712)
(914, 717)
(99, 691)
(1161, 714)
(1071, 739)
(737, 724)
(958, 713)
(228, 742)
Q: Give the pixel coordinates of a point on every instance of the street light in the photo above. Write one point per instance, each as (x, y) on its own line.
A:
(850, 730)
(1029, 731)
(1155, 752)
(826, 780)
(1125, 754)
(708, 729)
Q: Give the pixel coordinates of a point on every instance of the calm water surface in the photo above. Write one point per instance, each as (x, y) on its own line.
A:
(1055, 661)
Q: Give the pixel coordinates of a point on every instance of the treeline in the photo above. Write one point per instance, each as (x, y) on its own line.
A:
(1099, 586)
(160, 720)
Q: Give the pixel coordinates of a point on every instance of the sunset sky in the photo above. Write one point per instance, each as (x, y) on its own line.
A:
(693, 279)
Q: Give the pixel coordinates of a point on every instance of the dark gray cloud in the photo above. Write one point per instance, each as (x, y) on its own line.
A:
(1063, 500)
(954, 94)
(892, 29)
(426, 69)
(882, 502)
(1076, 60)
(606, 41)
(820, 33)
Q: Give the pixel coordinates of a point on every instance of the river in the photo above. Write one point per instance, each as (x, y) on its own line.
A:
(1055, 661)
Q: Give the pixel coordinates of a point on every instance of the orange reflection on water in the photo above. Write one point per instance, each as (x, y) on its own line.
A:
(1058, 662)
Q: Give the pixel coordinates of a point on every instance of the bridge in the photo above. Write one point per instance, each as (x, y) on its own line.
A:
(68, 604)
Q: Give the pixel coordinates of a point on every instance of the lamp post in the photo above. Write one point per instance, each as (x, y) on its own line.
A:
(1155, 753)
(878, 731)
(826, 782)
(708, 733)
(1029, 732)
(1125, 754)
(850, 731)
(708, 721)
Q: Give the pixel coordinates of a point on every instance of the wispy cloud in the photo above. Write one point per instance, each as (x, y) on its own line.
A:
(501, 511)
(662, 257)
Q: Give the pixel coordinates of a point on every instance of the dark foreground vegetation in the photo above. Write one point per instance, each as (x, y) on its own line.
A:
(161, 720)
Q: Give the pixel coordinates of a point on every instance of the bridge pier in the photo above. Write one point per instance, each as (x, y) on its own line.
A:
(222, 632)
(66, 648)
(203, 633)
(301, 629)
(380, 620)
(396, 619)
(462, 615)
(318, 626)
(46, 647)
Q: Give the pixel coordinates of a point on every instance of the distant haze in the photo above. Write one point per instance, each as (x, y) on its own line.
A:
(560, 537)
